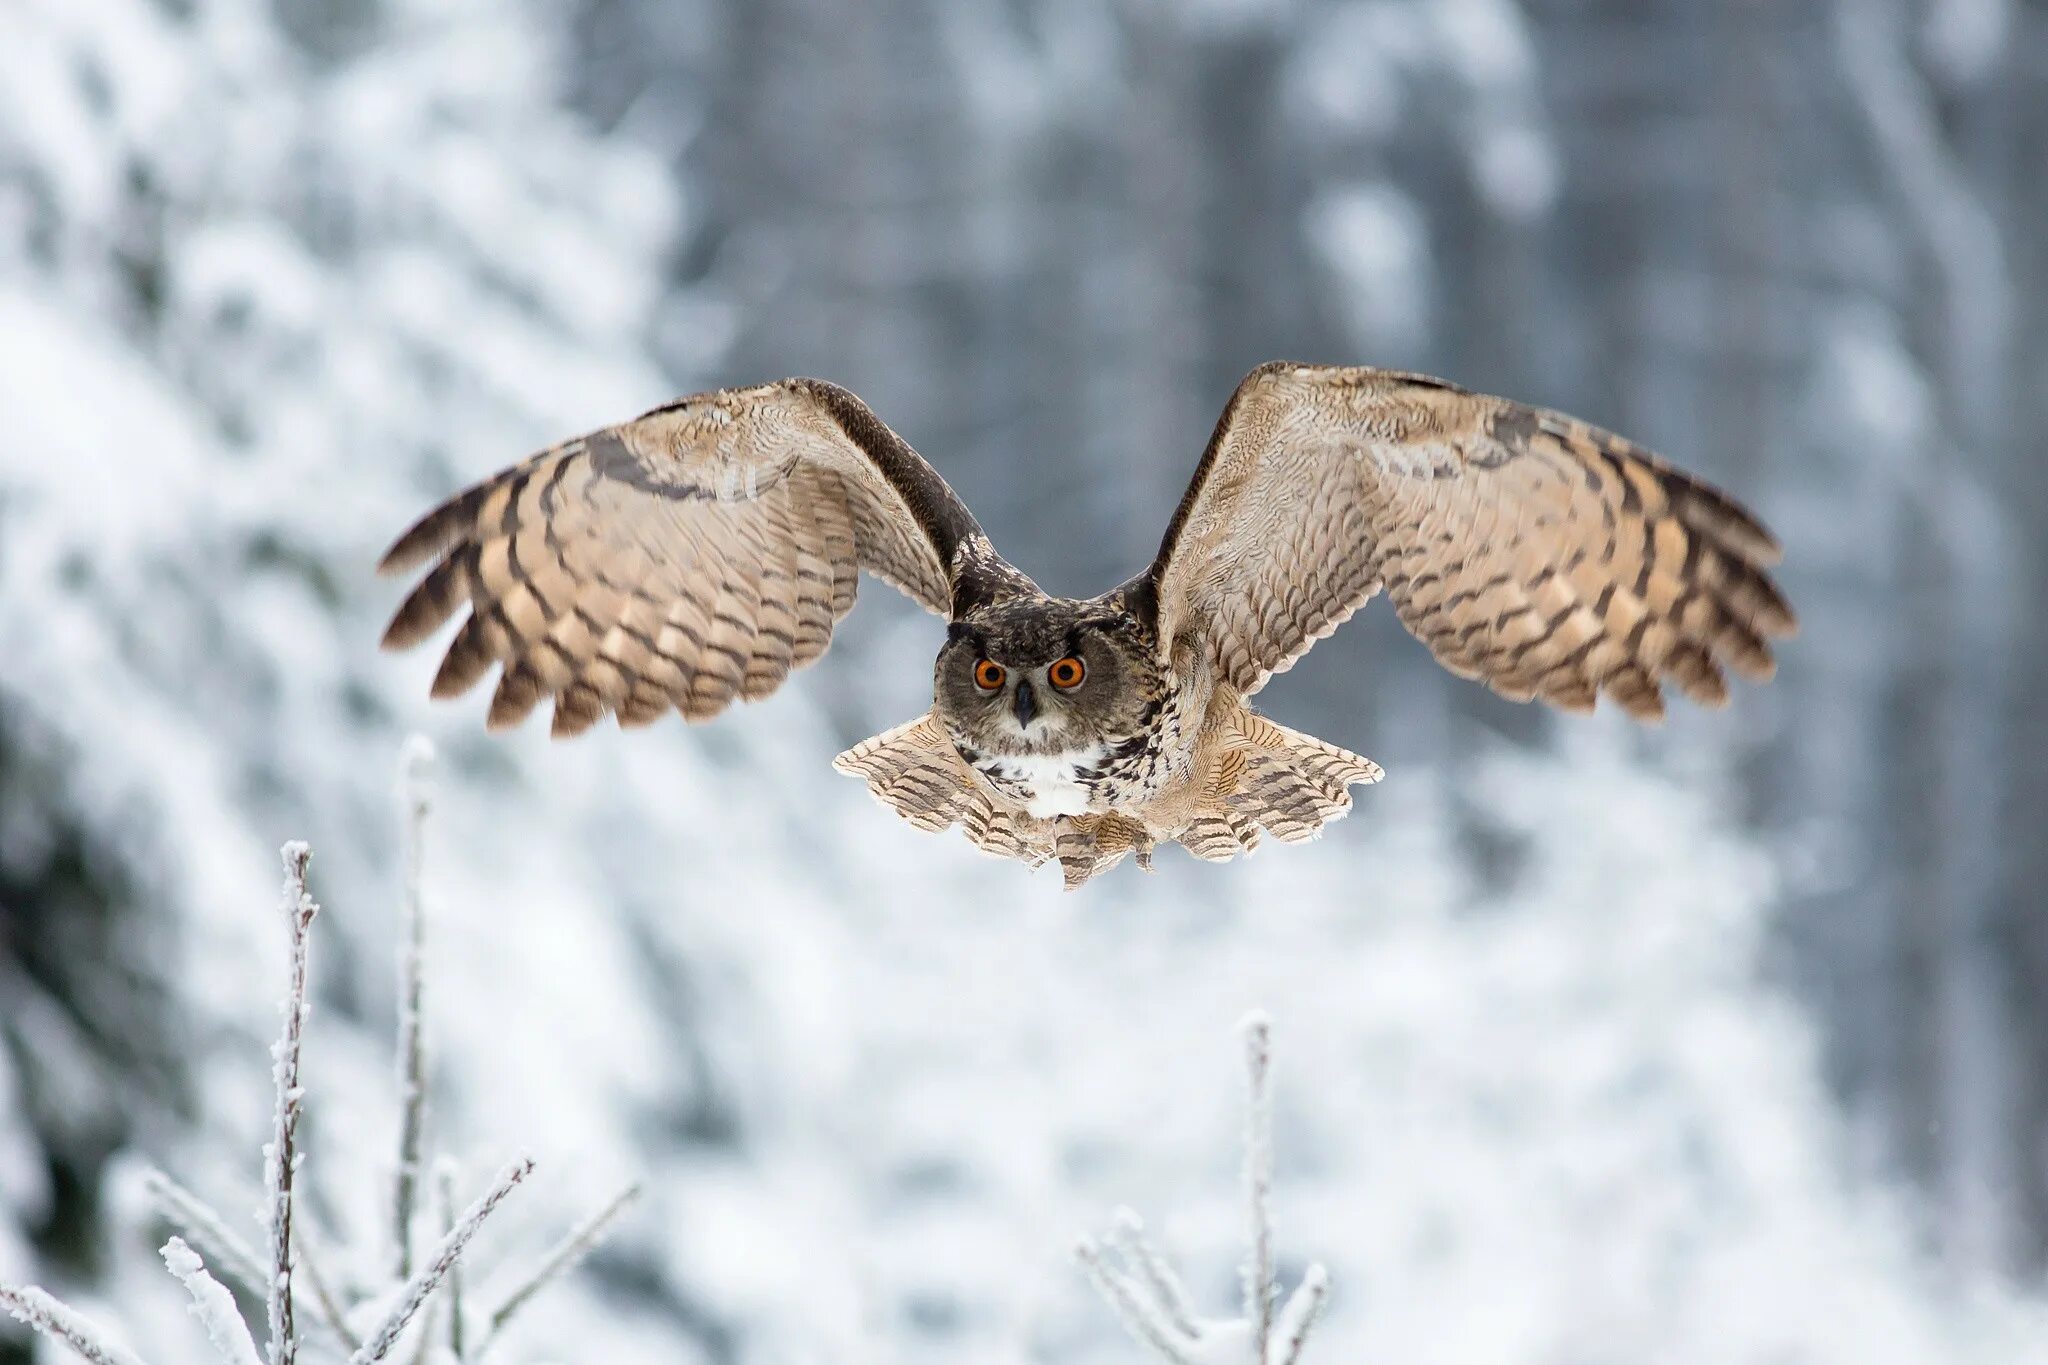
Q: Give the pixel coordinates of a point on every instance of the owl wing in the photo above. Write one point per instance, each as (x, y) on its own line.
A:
(1527, 549)
(697, 553)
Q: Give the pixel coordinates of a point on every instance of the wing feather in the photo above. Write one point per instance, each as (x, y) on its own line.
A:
(1526, 549)
(697, 554)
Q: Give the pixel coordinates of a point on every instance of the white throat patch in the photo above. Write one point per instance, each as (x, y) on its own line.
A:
(1045, 783)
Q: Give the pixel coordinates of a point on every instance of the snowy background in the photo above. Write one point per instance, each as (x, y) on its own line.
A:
(1726, 1043)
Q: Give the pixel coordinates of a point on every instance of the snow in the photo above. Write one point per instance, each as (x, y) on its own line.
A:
(212, 1304)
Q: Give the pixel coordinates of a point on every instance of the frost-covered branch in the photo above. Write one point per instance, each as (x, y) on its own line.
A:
(416, 771)
(1258, 1179)
(307, 1267)
(380, 1342)
(1141, 1313)
(280, 1166)
(1150, 1300)
(195, 1222)
(564, 1258)
(444, 1184)
(1127, 1235)
(28, 1304)
(212, 1304)
(285, 1267)
(1299, 1317)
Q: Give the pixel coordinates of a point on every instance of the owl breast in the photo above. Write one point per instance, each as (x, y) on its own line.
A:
(1046, 785)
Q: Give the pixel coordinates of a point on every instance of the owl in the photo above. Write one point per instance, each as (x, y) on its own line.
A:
(705, 550)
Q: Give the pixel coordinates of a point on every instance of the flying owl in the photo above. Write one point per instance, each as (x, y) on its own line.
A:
(702, 552)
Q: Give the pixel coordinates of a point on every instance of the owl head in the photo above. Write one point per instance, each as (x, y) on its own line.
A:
(1046, 675)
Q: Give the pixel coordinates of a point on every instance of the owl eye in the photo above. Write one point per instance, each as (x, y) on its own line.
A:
(1066, 673)
(988, 675)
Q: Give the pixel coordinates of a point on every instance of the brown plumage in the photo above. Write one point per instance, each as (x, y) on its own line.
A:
(696, 554)
(1527, 549)
(706, 549)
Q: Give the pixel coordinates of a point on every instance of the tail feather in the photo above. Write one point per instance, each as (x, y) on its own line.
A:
(1265, 780)
(915, 771)
(1273, 780)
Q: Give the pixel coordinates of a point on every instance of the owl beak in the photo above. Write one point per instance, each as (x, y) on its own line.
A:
(1025, 704)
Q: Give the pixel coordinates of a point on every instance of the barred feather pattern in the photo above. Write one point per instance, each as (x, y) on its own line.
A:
(915, 771)
(696, 555)
(1268, 779)
(1529, 550)
(1263, 779)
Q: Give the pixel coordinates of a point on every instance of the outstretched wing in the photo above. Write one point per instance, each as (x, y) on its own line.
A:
(695, 554)
(1527, 549)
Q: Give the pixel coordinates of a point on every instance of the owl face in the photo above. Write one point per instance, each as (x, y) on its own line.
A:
(1045, 676)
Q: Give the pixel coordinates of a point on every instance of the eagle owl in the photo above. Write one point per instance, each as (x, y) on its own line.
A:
(703, 551)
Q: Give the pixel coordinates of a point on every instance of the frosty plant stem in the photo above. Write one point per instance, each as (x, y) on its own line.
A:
(28, 1304)
(416, 770)
(563, 1258)
(202, 1227)
(280, 1160)
(212, 1304)
(1149, 1299)
(444, 1182)
(1258, 1180)
(274, 1274)
(379, 1343)
(307, 1267)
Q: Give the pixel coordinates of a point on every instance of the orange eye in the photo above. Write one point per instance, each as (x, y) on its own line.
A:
(988, 675)
(1066, 673)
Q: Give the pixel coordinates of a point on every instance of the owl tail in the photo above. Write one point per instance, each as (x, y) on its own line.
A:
(1268, 779)
(915, 771)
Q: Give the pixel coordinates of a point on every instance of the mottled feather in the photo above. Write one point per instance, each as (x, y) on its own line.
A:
(1527, 549)
(692, 556)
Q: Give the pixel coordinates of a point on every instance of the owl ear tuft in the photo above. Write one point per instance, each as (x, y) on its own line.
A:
(1140, 598)
(982, 578)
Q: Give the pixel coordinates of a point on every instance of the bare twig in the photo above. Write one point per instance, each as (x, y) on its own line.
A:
(280, 1159)
(1127, 1235)
(379, 1343)
(288, 1261)
(1299, 1317)
(1149, 1299)
(444, 1180)
(1258, 1179)
(416, 767)
(308, 1268)
(26, 1303)
(212, 1304)
(195, 1221)
(1139, 1315)
(566, 1254)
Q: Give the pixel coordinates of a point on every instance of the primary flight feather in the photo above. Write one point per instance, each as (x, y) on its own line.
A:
(703, 551)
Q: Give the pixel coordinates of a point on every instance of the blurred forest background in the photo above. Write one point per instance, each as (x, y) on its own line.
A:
(1723, 1042)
